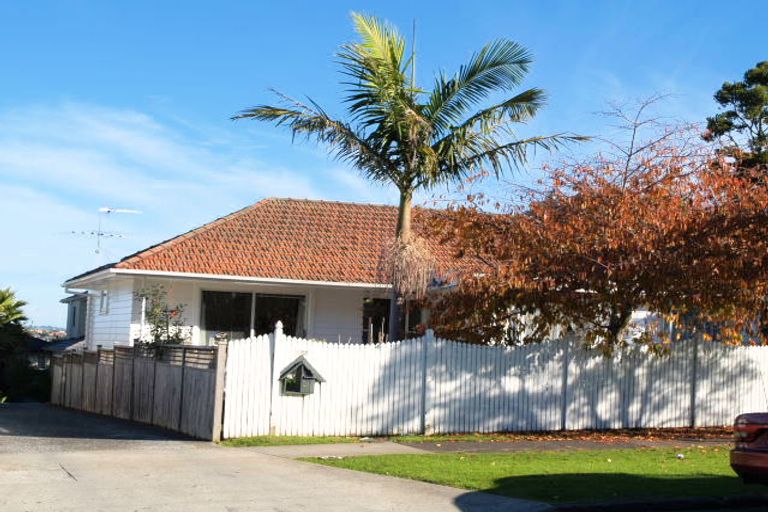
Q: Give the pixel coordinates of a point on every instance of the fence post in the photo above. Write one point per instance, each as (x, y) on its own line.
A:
(426, 406)
(65, 372)
(55, 381)
(82, 381)
(112, 390)
(218, 390)
(274, 341)
(694, 378)
(155, 356)
(133, 381)
(181, 387)
(96, 381)
(564, 401)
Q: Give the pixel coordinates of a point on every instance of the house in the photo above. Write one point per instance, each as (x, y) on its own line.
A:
(318, 266)
(77, 306)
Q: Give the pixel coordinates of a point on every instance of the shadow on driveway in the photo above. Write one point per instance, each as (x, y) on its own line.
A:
(43, 427)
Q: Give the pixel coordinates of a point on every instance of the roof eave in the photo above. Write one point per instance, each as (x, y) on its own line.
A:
(81, 282)
(219, 277)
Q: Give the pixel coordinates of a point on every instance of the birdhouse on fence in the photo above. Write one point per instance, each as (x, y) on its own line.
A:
(298, 378)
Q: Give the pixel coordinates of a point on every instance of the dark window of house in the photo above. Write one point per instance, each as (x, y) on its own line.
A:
(232, 315)
(285, 308)
(226, 315)
(376, 320)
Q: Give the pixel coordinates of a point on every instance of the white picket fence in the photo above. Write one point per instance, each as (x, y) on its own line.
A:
(437, 386)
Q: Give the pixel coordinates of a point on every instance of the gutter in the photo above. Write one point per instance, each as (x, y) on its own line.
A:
(111, 272)
(76, 283)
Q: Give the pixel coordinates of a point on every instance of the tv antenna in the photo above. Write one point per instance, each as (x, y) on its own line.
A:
(104, 212)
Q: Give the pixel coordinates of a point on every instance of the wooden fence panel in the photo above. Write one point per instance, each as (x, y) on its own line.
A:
(122, 384)
(74, 381)
(89, 370)
(170, 386)
(198, 401)
(143, 388)
(57, 381)
(104, 389)
(167, 395)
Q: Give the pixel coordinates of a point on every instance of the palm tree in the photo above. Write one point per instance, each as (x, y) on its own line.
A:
(11, 308)
(412, 138)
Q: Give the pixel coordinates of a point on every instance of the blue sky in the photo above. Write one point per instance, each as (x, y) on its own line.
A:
(127, 104)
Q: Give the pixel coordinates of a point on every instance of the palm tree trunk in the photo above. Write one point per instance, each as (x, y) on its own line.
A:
(404, 233)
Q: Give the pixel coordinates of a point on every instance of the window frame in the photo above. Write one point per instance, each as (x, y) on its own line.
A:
(302, 316)
(104, 302)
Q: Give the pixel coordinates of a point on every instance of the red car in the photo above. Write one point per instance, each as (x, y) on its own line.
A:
(749, 459)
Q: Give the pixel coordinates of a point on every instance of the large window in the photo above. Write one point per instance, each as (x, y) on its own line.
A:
(286, 308)
(236, 315)
(226, 315)
(376, 320)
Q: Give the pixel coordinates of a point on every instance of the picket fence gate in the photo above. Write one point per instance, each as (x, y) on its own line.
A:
(423, 385)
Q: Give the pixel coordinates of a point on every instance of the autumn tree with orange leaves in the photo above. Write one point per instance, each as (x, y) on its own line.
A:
(660, 224)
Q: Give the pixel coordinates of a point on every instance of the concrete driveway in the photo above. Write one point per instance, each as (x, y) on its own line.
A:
(57, 460)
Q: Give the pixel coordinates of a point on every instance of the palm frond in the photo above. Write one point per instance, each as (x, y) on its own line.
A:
(481, 151)
(11, 308)
(518, 109)
(498, 66)
(376, 67)
(312, 122)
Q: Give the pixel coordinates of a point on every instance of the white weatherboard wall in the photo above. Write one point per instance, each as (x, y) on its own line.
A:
(112, 324)
(398, 388)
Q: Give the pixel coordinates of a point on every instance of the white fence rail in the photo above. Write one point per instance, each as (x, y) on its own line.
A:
(438, 386)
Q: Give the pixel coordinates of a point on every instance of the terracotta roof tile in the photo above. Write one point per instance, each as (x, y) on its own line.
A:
(289, 239)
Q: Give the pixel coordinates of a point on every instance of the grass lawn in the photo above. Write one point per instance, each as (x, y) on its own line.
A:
(576, 476)
(286, 440)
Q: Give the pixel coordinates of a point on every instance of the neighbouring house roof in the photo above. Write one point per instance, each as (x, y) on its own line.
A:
(291, 239)
(74, 298)
(34, 344)
(67, 345)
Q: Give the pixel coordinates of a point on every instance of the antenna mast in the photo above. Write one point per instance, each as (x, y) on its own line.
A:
(99, 233)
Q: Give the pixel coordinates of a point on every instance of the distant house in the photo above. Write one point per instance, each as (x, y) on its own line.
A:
(315, 265)
(77, 308)
(42, 342)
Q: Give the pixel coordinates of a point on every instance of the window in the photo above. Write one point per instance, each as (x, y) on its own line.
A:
(226, 315)
(376, 320)
(235, 315)
(286, 308)
(104, 302)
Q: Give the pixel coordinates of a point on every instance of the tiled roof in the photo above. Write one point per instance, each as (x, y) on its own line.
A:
(289, 239)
